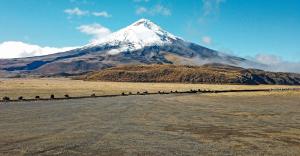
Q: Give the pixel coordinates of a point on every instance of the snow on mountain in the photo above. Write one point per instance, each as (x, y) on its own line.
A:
(136, 36)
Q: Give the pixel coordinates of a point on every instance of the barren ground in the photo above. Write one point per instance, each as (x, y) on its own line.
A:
(187, 124)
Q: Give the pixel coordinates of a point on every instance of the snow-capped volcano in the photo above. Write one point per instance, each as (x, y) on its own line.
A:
(138, 35)
(142, 42)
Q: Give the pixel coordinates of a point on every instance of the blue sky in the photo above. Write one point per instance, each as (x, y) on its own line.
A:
(245, 28)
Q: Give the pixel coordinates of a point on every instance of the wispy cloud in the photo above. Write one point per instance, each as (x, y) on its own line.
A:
(102, 14)
(210, 8)
(97, 31)
(76, 11)
(141, 10)
(207, 40)
(268, 59)
(160, 9)
(277, 64)
(155, 10)
(17, 49)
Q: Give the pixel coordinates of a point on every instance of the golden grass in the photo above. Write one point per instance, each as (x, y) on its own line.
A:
(29, 88)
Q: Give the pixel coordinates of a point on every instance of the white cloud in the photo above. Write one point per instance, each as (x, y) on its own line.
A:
(206, 40)
(156, 10)
(159, 9)
(102, 14)
(16, 49)
(277, 64)
(210, 8)
(268, 59)
(76, 11)
(96, 30)
(141, 10)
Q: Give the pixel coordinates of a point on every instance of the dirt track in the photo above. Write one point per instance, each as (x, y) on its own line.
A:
(223, 124)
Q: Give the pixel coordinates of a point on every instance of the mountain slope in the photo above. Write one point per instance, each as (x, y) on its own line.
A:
(142, 42)
(209, 73)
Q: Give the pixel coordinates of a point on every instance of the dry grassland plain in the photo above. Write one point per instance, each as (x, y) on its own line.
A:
(175, 124)
(29, 88)
(248, 123)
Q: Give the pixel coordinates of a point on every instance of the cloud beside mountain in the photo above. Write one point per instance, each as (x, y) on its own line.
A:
(17, 49)
(207, 40)
(97, 31)
(277, 64)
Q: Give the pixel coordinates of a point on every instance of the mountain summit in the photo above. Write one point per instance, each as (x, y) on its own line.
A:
(138, 35)
(142, 42)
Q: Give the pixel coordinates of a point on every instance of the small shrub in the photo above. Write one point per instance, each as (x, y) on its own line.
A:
(5, 98)
(52, 96)
(123, 93)
(161, 92)
(145, 92)
(130, 93)
(37, 97)
(93, 95)
(193, 91)
(67, 96)
(138, 93)
(20, 98)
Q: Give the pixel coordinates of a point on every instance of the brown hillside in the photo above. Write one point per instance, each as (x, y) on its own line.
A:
(210, 73)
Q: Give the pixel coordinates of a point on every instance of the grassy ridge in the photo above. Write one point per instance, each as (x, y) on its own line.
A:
(29, 87)
(212, 74)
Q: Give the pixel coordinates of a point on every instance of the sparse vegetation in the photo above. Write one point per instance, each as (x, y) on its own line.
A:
(29, 88)
(5, 98)
(253, 123)
(210, 73)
